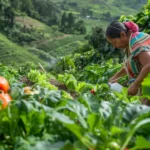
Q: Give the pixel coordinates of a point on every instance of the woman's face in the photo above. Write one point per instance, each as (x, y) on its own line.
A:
(121, 42)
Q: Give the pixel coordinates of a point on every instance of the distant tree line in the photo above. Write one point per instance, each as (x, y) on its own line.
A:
(42, 10)
(69, 25)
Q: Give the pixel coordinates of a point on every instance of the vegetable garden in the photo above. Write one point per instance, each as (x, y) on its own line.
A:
(74, 114)
(73, 108)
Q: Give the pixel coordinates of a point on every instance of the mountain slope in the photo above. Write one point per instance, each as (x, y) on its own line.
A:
(11, 54)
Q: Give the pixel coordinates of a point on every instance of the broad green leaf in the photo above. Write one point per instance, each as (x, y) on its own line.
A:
(134, 110)
(133, 130)
(146, 86)
(141, 143)
(61, 117)
(80, 133)
(77, 108)
(116, 130)
(93, 120)
(89, 101)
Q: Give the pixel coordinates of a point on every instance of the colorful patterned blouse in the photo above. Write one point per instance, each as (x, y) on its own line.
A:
(139, 42)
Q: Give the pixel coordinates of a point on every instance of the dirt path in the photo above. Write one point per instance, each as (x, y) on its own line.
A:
(45, 41)
(51, 39)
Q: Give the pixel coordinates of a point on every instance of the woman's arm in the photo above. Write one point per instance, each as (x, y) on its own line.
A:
(144, 59)
(119, 74)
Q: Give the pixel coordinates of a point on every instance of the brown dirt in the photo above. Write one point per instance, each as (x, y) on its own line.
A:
(62, 86)
(58, 84)
(26, 81)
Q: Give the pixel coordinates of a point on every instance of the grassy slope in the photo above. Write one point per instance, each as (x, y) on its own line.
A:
(54, 44)
(107, 5)
(62, 46)
(11, 53)
(41, 27)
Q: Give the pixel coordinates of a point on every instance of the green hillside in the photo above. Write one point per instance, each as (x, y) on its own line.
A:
(28, 22)
(12, 54)
(53, 43)
(100, 6)
(33, 30)
(103, 11)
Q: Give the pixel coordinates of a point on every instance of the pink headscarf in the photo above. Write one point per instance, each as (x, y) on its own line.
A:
(133, 27)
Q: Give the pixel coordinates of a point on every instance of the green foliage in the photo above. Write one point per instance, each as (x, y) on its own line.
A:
(47, 11)
(65, 64)
(69, 80)
(53, 118)
(98, 73)
(43, 37)
(142, 18)
(97, 12)
(69, 25)
(97, 39)
(40, 79)
(104, 50)
(63, 45)
(146, 87)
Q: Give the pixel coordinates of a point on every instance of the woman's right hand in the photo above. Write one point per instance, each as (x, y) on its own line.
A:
(113, 79)
(118, 75)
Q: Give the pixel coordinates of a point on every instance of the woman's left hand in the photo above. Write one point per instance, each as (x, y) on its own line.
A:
(133, 89)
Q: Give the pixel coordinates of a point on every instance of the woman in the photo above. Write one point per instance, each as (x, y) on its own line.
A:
(136, 46)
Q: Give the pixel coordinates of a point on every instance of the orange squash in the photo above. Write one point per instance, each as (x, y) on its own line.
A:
(4, 85)
(5, 98)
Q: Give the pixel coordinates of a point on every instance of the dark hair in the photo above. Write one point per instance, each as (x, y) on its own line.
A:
(114, 29)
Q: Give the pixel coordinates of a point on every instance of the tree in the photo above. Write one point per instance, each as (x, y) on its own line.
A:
(64, 19)
(9, 16)
(83, 12)
(97, 39)
(80, 27)
(27, 6)
(69, 25)
(70, 20)
(53, 20)
(91, 13)
(100, 44)
(16, 4)
(3, 5)
(47, 11)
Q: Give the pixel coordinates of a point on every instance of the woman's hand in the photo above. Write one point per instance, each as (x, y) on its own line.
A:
(118, 75)
(113, 79)
(133, 89)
